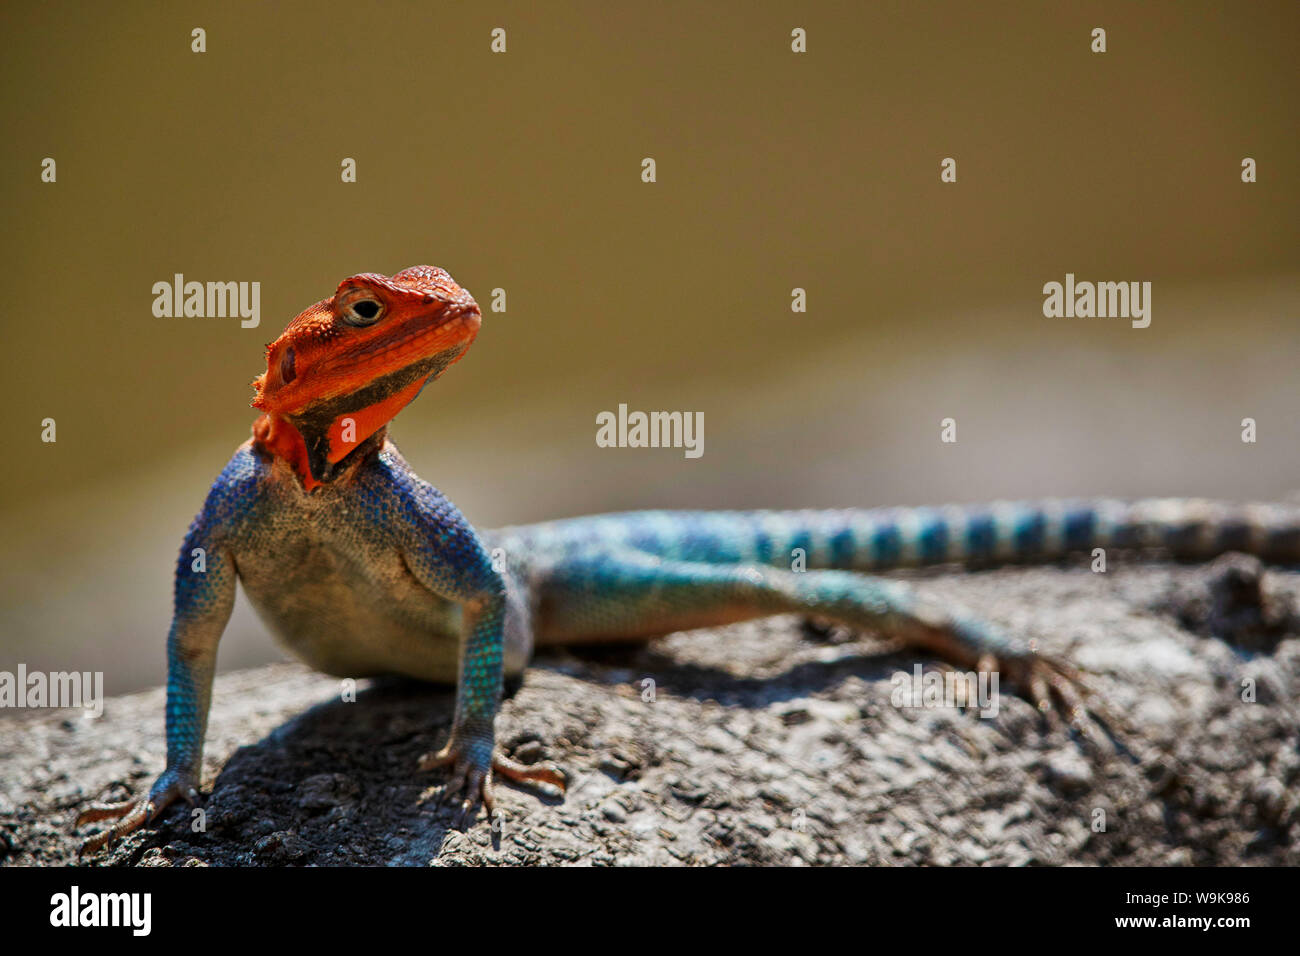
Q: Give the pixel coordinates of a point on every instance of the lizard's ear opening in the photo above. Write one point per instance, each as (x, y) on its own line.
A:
(288, 366)
(281, 370)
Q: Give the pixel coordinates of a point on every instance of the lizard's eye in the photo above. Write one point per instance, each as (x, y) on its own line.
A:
(363, 312)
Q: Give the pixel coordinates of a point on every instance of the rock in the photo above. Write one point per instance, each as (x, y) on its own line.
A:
(1231, 598)
(325, 791)
(747, 755)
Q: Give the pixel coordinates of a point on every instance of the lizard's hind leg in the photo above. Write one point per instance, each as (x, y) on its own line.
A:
(627, 594)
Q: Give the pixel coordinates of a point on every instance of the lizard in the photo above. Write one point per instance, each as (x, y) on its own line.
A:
(361, 568)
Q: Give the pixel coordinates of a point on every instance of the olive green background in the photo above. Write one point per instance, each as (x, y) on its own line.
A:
(522, 171)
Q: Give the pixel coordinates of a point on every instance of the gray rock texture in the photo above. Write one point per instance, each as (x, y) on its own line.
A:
(774, 742)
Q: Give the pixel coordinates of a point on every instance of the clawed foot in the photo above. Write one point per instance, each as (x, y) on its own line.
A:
(472, 778)
(1056, 688)
(133, 814)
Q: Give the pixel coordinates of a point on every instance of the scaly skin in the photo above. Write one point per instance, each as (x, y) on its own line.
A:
(362, 568)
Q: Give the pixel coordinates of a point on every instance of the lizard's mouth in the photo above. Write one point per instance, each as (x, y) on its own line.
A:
(374, 366)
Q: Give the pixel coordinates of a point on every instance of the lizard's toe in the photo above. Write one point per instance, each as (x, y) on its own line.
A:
(548, 774)
(467, 780)
(1058, 689)
(471, 782)
(432, 761)
(133, 814)
(130, 814)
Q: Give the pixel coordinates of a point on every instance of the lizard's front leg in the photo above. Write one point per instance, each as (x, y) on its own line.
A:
(444, 553)
(203, 599)
(470, 752)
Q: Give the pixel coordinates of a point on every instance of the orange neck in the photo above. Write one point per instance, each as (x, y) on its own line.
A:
(277, 437)
(281, 438)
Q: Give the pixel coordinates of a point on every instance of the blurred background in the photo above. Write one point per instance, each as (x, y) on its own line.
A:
(522, 171)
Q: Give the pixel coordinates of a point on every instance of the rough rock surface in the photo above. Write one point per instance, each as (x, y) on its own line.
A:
(767, 743)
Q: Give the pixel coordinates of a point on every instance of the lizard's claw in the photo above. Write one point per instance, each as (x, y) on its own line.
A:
(133, 814)
(1055, 688)
(470, 780)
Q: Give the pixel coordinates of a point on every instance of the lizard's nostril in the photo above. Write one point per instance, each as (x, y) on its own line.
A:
(287, 370)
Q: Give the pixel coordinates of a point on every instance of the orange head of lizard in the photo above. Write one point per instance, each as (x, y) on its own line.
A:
(344, 367)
